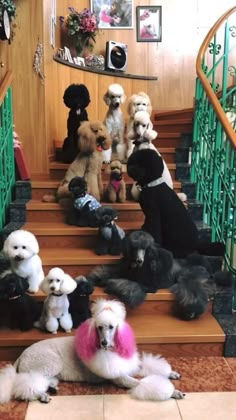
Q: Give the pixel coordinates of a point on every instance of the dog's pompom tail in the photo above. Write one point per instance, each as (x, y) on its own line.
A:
(7, 379)
(153, 388)
(157, 365)
(30, 386)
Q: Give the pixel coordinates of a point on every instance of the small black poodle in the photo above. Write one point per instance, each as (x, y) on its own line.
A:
(110, 235)
(76, 97)
(79, 301)
(18, 310)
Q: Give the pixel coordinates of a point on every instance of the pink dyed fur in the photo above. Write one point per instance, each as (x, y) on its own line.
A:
(86, 341)
(124, 341)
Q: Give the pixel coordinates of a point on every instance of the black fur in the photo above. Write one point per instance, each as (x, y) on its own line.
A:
(84, 216)
(166, 217)
(76, 97)
(144, 268)
(18, 310)
(79, 301)
(110, 235)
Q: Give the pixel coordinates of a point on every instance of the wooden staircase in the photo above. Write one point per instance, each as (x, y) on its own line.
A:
(72, 249)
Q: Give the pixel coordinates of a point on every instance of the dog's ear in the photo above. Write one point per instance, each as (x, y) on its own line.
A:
(86, 138)
(23, 285)
(124, 341)
(86, 340)
(130, 106)
(44, 286)
(68, 284)
(32, 242)
(106, 98)
(5, 247)
(123, 98)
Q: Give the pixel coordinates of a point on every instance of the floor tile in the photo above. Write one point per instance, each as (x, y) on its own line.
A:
(118, 407)
(217, 405)
(84, 407)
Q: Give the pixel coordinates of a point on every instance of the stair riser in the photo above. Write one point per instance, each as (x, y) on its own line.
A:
(11, 353)
(57, 216)
(58, 174)
(173, 128)
(180, 115)
(166, 142)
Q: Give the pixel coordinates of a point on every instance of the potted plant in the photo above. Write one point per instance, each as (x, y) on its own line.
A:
(81, 28)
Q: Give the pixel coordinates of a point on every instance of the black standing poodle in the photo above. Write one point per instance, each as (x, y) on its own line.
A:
(18, 310)
(79, 301)
(166, 217)
(76, 97)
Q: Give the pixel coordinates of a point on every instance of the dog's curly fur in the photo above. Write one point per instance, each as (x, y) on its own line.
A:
(104, 349)
(115, 190)
(137, 102)
(56, 285)
(79, 301)
(76, 97)
(114, 121)
(18, 310)
(93, 138)
(21, 248)
(144, 268)
(110, 235)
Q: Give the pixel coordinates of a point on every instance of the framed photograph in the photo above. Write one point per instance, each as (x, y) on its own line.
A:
(149, 23)
(113, 14)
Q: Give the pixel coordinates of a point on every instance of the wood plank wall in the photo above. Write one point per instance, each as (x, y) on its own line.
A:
(39, 113)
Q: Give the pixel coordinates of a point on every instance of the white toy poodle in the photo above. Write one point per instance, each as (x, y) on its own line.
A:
(21, 248)
(57, 285)
(114, 122)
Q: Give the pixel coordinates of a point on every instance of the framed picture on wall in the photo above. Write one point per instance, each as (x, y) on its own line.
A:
(149, 23)
(113, 14)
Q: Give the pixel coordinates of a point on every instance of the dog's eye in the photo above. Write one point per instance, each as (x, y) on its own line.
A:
(23, 247)
(50, 280)
(58, 280)
(100, 328)
(111, 327)
(15, 247)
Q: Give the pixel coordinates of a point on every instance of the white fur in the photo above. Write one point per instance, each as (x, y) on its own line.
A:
(55, 308)
(21, 248)
(114, 122)
(43, 362)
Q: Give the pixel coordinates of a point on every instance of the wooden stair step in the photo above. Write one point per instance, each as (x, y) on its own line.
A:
(52, 212)
(184, 125)
(172, 114)
(158, 334)
(41, 187)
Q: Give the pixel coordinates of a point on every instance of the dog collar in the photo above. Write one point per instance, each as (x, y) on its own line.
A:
(14, 297)
(154, 183)
(54, 294)
(142, 140)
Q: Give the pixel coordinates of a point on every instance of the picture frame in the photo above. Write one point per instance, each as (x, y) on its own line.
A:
(113, 14)
(149, 23)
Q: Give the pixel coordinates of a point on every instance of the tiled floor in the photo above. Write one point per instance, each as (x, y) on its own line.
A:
(209, 383)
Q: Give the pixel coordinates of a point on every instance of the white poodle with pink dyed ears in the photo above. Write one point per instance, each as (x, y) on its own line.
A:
(104, 348)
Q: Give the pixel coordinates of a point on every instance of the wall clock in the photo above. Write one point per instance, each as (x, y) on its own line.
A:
(5, 29)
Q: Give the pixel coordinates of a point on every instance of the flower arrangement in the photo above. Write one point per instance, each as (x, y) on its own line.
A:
(82, 27)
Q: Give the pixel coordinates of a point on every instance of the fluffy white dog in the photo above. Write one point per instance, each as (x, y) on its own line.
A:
(114, 122)
(21, 248)
(104, 348)
(137, 102)
(57, 285)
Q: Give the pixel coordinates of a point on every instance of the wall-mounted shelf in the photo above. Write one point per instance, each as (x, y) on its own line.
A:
(105, 72)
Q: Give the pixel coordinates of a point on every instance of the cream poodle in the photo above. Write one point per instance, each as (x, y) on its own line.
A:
(137, 102)
(57, 285)
(21, 248)
(104, 349)
(114, 122)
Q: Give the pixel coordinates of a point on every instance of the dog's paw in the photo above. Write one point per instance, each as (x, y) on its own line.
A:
(174, 375)
(44, 398)
(178, 395)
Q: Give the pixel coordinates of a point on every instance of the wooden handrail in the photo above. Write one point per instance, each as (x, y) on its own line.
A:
(207, 87)
(5, 85)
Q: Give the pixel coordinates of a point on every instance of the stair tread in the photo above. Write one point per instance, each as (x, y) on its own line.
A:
(161, 295)
(173, 122)
(75, 256)
(48, 183)
(60, 228)
(41, 205)
(148, 328)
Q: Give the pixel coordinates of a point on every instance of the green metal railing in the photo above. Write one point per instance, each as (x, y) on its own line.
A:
(213, 165)
(7, 167)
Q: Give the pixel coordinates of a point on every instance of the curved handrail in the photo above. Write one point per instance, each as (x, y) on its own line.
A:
(207, 87)
(5, 85)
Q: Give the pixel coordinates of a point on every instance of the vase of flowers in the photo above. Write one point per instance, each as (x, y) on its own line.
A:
(81, 28)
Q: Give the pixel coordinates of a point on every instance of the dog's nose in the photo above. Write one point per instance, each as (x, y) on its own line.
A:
(139, 260)
(104, 343)
(52, 288)
(18, 258)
